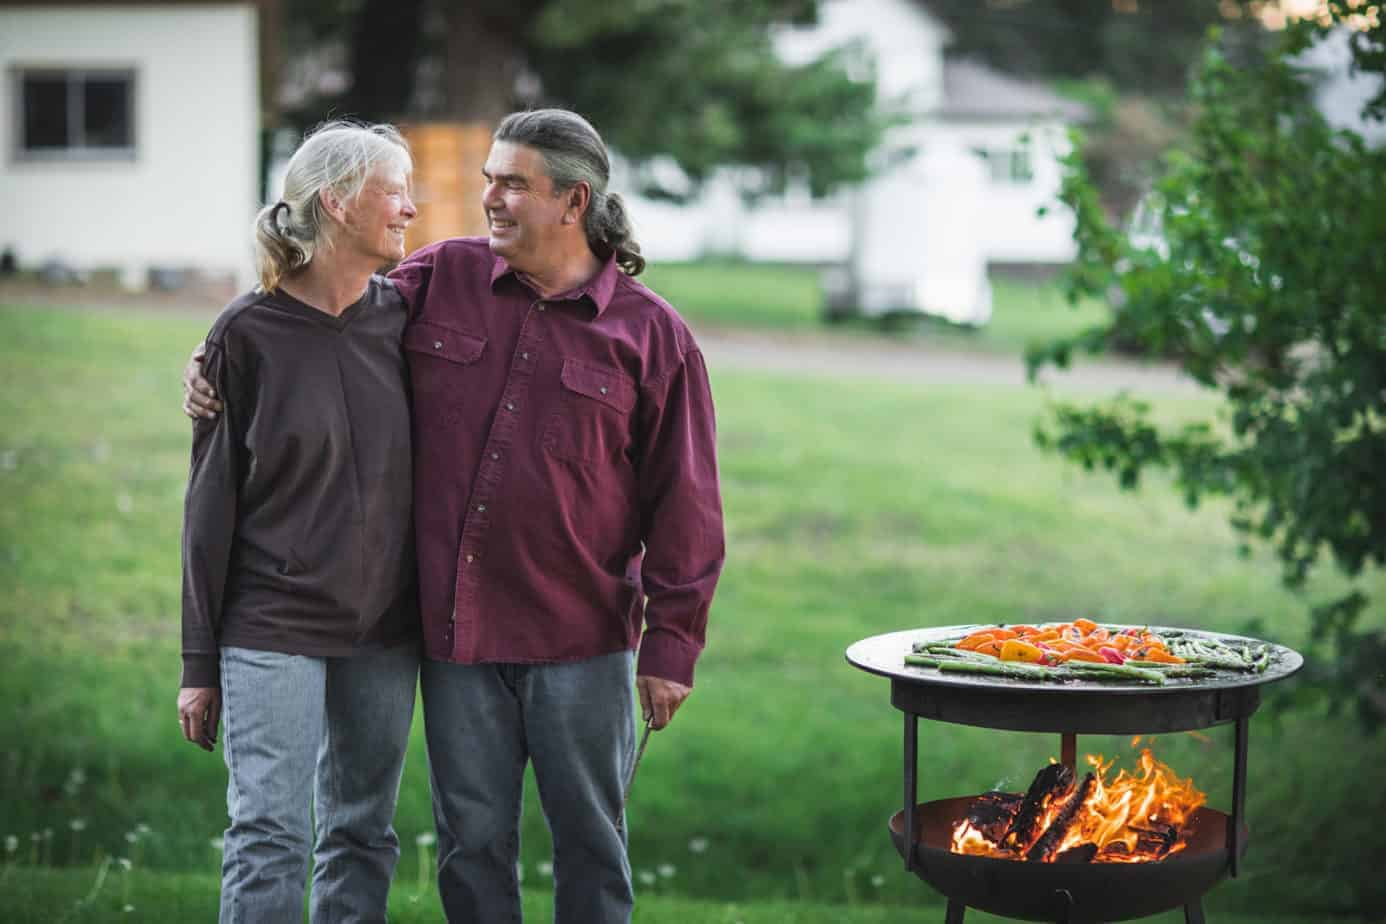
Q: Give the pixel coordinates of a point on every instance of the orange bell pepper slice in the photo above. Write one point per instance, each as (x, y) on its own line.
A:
(1085, 625)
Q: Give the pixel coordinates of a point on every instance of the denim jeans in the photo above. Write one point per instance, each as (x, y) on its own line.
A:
(576, 722)
(329, 733)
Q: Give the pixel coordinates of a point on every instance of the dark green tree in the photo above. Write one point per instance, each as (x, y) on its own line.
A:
(1267, 280)
(695, 80)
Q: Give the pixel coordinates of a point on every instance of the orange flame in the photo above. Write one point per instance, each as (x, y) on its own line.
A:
(1136, 817)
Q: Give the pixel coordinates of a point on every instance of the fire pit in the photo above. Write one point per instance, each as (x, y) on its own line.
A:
(1070, 893)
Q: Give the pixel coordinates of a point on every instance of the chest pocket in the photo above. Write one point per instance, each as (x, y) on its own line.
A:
(592, 424)
(426, 338)
(438, 365)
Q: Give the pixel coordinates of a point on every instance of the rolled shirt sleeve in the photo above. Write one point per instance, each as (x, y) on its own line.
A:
(681, 518)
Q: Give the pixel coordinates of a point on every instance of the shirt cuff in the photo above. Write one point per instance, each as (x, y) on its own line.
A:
(201, 670)
(665, 656)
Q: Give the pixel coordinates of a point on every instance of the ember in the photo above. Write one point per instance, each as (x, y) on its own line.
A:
(1134, 818)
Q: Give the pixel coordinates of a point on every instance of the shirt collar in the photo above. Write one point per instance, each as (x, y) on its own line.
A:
(598, 290)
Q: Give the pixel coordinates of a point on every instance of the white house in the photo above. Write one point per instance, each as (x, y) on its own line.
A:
(128, 134)
(958, 186)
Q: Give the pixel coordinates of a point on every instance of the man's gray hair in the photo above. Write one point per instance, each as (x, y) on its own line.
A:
(574, 153)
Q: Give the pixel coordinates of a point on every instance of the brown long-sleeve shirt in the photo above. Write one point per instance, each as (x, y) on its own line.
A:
(297, 531)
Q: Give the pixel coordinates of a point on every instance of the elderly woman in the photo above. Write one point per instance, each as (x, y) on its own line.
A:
(300, 618)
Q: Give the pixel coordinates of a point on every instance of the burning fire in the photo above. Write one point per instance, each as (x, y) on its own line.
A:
(1136, 817)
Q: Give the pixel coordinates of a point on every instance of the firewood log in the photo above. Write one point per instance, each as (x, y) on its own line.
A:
(991, 813)
(1047, 845)
(1053, 782)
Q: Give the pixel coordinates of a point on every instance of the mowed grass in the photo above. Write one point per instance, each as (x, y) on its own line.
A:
(853, 508)
(771, 297)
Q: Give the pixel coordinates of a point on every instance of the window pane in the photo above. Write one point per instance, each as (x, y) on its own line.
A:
(45, 112)
(106, 113)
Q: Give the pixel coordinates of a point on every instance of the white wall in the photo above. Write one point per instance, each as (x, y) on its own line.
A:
(188, 197)
(1011, 230)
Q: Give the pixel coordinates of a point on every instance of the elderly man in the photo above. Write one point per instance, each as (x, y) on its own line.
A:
(565, 499)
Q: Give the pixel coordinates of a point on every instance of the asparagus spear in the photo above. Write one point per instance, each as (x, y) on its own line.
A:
(1013, 669)
(1094, 670)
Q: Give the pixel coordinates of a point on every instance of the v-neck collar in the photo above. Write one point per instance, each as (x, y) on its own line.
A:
(282, 300)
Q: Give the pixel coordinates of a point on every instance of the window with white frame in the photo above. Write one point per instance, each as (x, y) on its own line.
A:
(1008, 166)
(74, 113)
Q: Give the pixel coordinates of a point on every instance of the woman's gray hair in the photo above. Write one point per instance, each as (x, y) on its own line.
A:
(337, 156)
(573, 153)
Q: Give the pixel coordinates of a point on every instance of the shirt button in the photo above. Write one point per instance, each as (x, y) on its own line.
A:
(509, 405)
(524, 356)
(437, 344)
(495, 455)
(541, 306)
(480, 508)
(602, 389)
(469, 559)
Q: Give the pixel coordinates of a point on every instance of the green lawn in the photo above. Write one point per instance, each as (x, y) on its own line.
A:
(716, 294)
(854, 507)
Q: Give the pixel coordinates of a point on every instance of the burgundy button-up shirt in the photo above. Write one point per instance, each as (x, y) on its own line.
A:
(565, 471)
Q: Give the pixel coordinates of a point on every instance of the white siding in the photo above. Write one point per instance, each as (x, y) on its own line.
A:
(1011, 230)
(188, 196)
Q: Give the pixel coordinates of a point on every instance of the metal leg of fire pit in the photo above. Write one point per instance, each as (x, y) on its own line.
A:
(956, 910)
(1068, 749)
(911, 787)
(1234, 831)
(1193, 912)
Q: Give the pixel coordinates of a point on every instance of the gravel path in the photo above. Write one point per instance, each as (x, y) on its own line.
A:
(923, 363)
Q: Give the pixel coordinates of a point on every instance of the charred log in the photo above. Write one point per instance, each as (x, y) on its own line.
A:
(1155, 839)
(1053, 782)
(1083, 853)
(1043, 849)
(991, 813)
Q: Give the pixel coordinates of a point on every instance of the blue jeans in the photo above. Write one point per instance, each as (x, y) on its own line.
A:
(576, 722)
(330, 732)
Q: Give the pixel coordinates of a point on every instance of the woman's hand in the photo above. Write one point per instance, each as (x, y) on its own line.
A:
(199, 712)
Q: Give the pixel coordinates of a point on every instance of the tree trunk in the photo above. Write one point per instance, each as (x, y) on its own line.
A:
(483, 60)
(384, 48)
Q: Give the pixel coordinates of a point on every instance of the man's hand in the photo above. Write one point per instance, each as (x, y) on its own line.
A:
(199, 712)
(660, 699)
(199, 397)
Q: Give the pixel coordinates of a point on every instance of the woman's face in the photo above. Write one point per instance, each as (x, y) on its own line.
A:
(376, 220)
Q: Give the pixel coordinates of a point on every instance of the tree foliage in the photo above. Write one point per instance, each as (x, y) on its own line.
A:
(1267, 281)
(694, 80)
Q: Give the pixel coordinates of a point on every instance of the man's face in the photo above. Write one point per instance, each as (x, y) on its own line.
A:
(376, 220)
(524, 215)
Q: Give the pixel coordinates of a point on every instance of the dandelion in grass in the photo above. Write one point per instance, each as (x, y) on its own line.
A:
(424, 842)
(76, 779)
(11, 845)
(131, 837)
(143, 830)
(128, 909)
(698, 845)
(216, 843)
(648, 878)
(545, 868)
(666, 870)
(878, 880)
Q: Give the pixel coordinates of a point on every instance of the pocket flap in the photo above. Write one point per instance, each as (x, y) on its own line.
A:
(605, 385)
(443, 342)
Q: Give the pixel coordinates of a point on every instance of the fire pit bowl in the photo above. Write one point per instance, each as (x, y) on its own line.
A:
(1073, 892)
